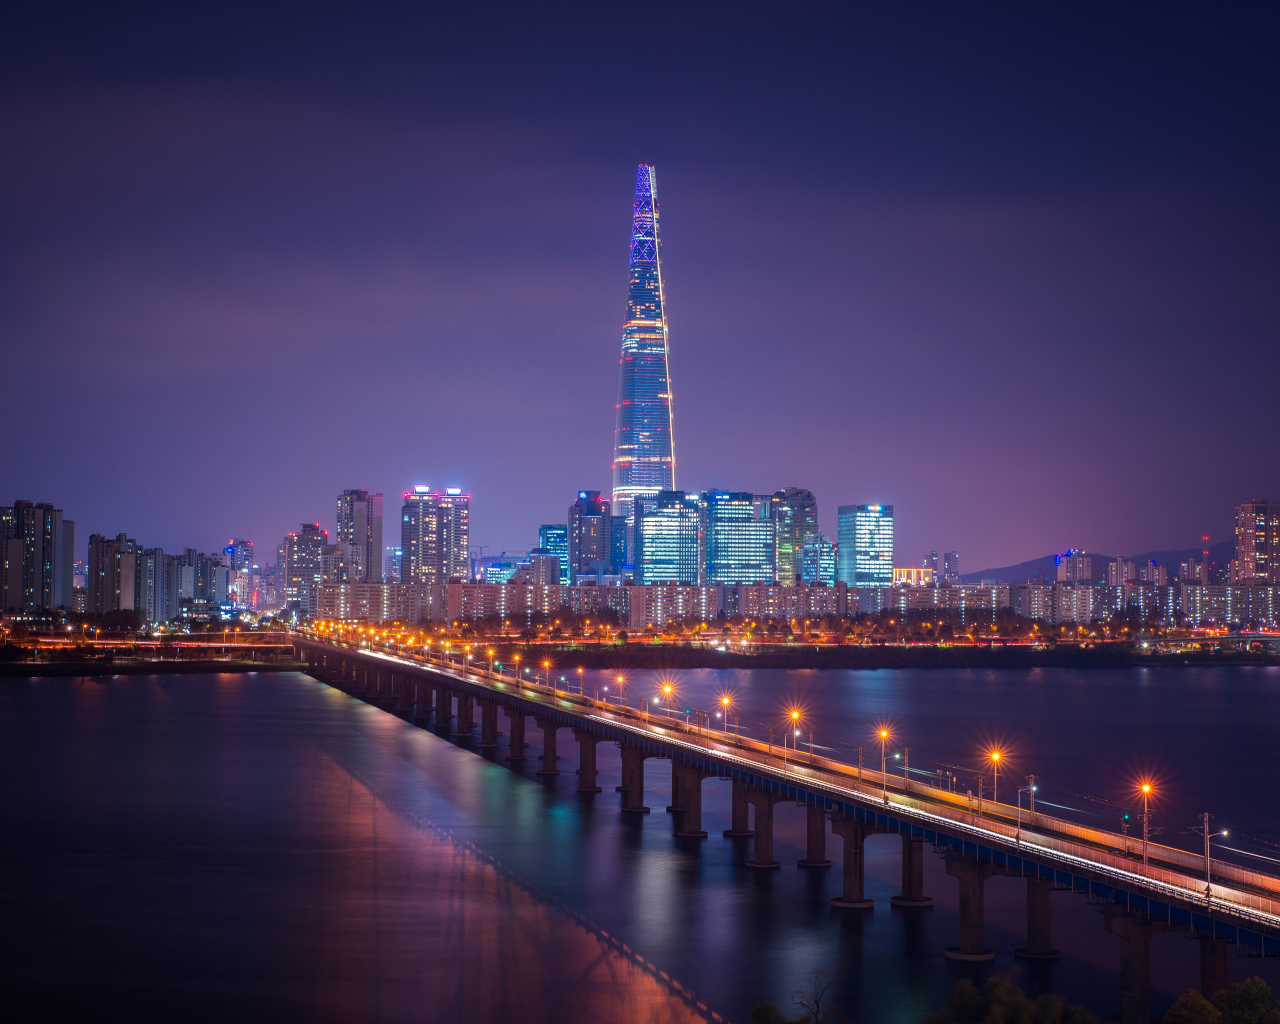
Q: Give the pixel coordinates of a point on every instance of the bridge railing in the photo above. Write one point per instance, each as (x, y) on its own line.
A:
(1116, 850)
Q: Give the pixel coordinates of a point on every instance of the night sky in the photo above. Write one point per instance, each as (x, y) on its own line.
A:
(1010, 268)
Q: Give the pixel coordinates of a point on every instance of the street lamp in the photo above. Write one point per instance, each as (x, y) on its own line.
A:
(884, 778)
(623, 684)
(1146, 819)
(1204, 830)
(1030, 789)
(995, 777)
(546, 665)
(666, 692)
(580, 689)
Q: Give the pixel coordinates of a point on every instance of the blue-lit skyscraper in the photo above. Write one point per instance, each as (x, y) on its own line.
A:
(643, 449)
(738, 537)
(667, 539)
(866, 545)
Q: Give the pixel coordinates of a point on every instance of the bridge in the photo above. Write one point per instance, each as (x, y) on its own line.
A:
(1140, 893)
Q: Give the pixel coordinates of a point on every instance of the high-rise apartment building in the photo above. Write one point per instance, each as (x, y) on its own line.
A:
(590, 525)
(360, 530)
(1120, 572)
(1257, 543)
(644, 452)
(738, 537)
(818, 561)
(391, 565)
(668, 545)
(554, 538)
(239, 555)
(950, 567)
(303, 554)
(795, 520)
(116, 580)
(866, 546)
(46, 556)
(1074, 566)
(435, 536)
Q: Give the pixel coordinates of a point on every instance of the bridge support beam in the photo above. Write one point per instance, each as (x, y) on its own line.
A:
(815, 849)
(854, 834)
(517, 734)
(739, 824)
(633, 779)
(587, 759)
(912, 894)
(465, 727)
(1039, 923)
(488, 723)
(1135, 961)
(686, 786)
(972, 876)
(762, 846)
(444, 707)
(1215, 967)
(549, 755)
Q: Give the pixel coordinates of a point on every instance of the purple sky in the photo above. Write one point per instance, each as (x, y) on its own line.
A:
(1014, 272)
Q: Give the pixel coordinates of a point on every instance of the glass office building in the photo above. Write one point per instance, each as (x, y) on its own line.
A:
(818, 561)
(795, 520)
(555, 539)
(644, 452)
(668, 541)
(739, 542)
(866, 545)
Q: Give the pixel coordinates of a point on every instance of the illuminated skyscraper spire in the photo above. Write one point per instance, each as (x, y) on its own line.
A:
(643, 449)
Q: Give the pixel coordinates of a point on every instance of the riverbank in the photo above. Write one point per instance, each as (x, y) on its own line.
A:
(62, 669)
(851, 656)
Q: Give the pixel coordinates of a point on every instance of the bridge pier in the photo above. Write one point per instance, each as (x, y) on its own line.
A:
(444, 707)
(762, 846)
(587, 759)
(517, 735)
(1135, 961)
(633, 779)
(549, 756)
(854, 833)
(815, 851)
(1039, 923)
(466, 724)
(739, 824)
(1215, 967)
(912, 894)
(488, 723)
(686, 786)
(972, 876)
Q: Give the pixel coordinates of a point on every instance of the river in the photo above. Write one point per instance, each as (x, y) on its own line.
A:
(263, 846)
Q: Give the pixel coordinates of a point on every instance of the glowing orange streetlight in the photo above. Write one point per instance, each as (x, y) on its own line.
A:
(1146, 818)
(995, 776)
(884, 774)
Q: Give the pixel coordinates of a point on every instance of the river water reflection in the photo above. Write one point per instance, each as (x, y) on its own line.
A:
(264, 846)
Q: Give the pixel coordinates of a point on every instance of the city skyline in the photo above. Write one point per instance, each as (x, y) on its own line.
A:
(293, 243)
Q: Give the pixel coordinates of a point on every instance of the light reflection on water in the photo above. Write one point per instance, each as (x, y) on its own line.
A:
(266, 845)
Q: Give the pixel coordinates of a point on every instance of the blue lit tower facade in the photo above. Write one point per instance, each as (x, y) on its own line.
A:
(643, 449)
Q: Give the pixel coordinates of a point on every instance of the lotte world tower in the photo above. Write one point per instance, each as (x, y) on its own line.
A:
(643, 448)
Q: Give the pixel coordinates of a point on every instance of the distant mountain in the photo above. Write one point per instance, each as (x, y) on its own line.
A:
(1044, 568)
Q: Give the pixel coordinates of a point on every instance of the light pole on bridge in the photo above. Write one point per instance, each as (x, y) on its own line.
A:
(1146, 819)
(884, 779)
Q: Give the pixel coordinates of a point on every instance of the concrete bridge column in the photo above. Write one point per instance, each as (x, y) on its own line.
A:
(912, 874)
(633, 779)
(815, 851)
(854, 833)
(1039, 923)
(587, 759)
(739, 824)
(686, 785)
(762, 847)
(549, 756)
(488, 724)
(517, 734)
(444, 707)
(972, 876)
(1135, 961)
(1215, 967)
(466, 725)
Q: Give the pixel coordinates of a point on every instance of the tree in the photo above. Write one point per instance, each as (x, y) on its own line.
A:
(815, 1007)
(1246, 1002)
(1001, 1001)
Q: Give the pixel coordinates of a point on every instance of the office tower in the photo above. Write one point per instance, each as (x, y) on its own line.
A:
(589, 526)
(555, 539)
(951, 567)
(455, 538)
(738, 537)
(818, 561)
(391, 566)
(643, 449)
(795, 520)
(1257, 542)
(931, 563)
(866, 545)
(360, 529)
(617, 543)
(302, 567)
(47, 555)
(667, 539)
(543, 568)
(239, 554)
